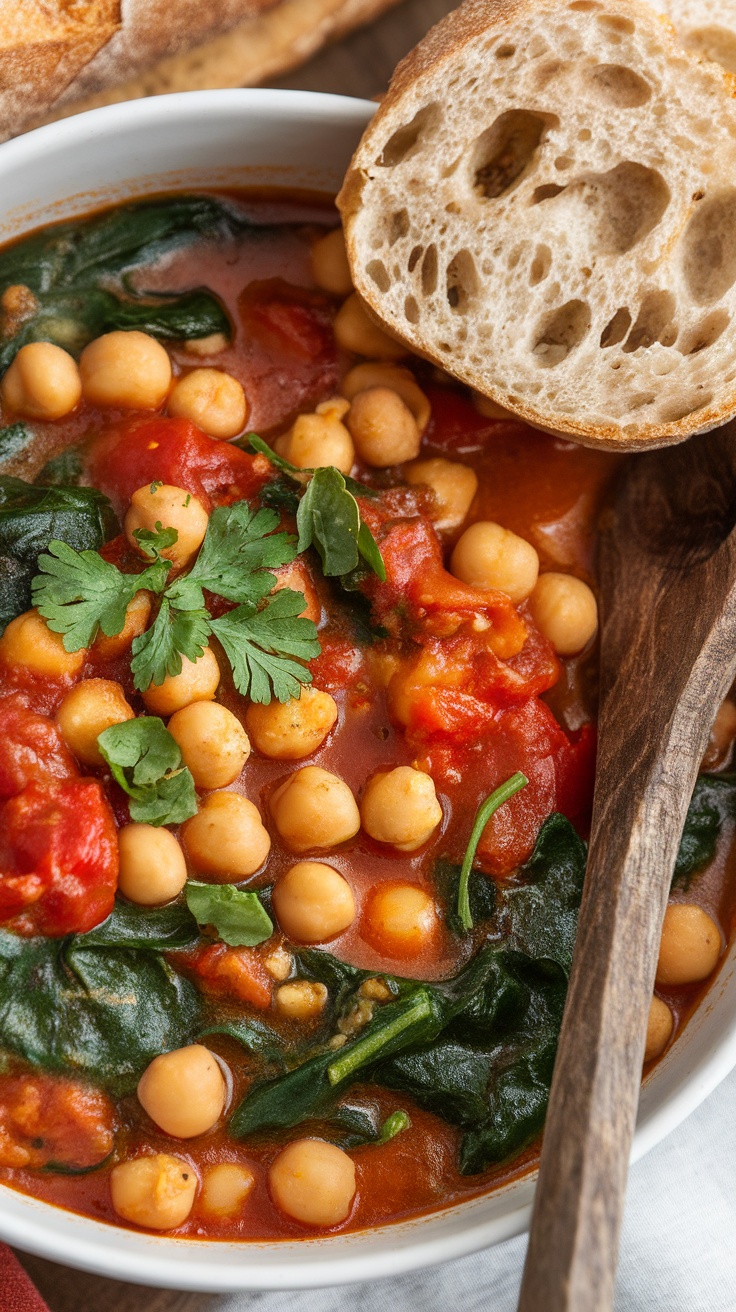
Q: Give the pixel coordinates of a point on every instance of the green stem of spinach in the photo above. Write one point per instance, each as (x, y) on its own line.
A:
(486, 810)
(365, 1050)
(393, 1125)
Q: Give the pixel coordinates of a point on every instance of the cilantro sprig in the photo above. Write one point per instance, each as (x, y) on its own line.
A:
(145, 759)
(328, 517)
(265, 638)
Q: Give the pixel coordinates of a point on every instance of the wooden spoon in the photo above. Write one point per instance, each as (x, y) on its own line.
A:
(668, 658)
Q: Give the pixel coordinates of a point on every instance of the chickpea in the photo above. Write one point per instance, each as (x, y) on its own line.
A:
(212, 344)
(314, 809)
(313, 1182)
(90, 708)
(400, 807)
(356, 331)
(454, 488)
(213, 743)
(384, 429)
(42, 383)
(565, 610)
(213, 400)
(28, 642)
(301, 999)
(154, 1192)
(400, 919)
(313, 902)
(137, 615)
(287, 731)
(377, 373)
(225, 1188)
(226, 839)
(152, 865)
(659, 1029)
(196, 682)
(126, 369)
(690, 946)
(279, 963)
(183, 1091)
(488, 556)
(172, 507)
(319, 439)
(330, 268)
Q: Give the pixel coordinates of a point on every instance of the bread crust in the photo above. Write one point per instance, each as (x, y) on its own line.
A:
(416, 82)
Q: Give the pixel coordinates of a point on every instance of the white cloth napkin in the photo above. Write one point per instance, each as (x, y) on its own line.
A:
(678, 1251)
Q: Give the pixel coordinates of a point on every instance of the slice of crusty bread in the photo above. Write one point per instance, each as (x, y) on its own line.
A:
(545, 205)
(705, 27)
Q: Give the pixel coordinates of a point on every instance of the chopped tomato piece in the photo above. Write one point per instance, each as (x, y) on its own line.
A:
(419, 589)
(143, 450)
(236, 973)
(45, 1119)
(290, 340)
(560, 771)
(31, 747)
(338, 666)
(58, 858)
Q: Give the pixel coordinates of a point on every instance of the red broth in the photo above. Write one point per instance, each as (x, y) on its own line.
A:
(548, 491)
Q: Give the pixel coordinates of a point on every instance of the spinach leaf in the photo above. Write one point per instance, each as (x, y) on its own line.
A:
(329, 519)
(14, 440)
(252, 1034)
(238, 916)
(69, 1005)
(62, 470)
(155, 929)
(481, 894)
(145, 759)
(713, 803)
(355, 1127)
(30, 518)
(69, 268)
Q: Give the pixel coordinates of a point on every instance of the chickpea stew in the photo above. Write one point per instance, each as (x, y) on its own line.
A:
(297, 701)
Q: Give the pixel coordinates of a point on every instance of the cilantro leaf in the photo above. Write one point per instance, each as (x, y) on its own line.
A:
(153, 541)
(239, 916)
(259, 643)
(239, 550)
(78, 592)
(145, 760)
(159, 650)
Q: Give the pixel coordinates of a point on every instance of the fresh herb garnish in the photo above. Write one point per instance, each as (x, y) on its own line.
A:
(30, 518)
(265, 638)
(145, 759)
(328, 516)
(237, 914)
(78, 593)
(486, 810)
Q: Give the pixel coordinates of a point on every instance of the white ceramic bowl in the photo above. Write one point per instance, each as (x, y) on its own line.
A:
(297, 139)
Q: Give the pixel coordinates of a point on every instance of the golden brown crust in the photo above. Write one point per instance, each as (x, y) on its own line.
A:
(277, 35)
(444, 45)
(43, 50)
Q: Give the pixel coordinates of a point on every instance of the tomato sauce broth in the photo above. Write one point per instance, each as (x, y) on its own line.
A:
(548, 491)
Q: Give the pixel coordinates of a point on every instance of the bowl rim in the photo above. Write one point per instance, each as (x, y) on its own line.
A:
(96, 1247)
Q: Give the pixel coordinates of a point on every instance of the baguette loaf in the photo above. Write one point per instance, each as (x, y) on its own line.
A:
(545, 205)
(705, 27)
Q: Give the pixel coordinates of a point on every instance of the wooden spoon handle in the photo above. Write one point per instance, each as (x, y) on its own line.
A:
(673, 653)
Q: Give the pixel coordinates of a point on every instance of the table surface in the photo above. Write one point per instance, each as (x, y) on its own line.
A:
(678, 1251)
